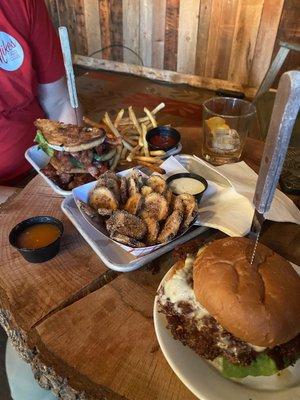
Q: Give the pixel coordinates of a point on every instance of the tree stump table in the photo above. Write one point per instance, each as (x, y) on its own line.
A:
(87, 331)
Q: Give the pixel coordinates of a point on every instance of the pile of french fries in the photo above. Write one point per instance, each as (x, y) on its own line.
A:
(129, 132)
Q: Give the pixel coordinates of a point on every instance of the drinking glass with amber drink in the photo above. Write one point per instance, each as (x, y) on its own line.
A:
(226, 124)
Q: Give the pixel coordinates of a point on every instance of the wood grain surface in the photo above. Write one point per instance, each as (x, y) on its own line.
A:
(119, 350)
(244, 39)
(146, 24)
(158, 34)
(171, 34)
(266, 37)
(202, 56)
(162, 75)
(92, 24)
(31, 291)
(187, 36)
(131, 26)
(225, 39)
(92, 326)
(289, 31)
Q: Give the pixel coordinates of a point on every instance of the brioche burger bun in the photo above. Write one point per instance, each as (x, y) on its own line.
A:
(244, 319)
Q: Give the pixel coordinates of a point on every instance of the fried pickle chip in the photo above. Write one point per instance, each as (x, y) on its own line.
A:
(86, 209)
(152, 230)
(145, 190)
(111, 184)
(128, 241)
(168, 194)
(138, 177)
(103, 197)
(133, 187)
(190, 208)
(171, 227)
(126, 224)
(123, 190)
(157, 183)
(134, 204)
(105, 212)
(156, 206)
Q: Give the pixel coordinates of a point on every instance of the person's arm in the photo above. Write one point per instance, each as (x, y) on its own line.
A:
(48, 63)
(54, 99)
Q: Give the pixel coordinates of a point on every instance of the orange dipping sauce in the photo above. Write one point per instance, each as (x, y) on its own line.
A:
(37, 236)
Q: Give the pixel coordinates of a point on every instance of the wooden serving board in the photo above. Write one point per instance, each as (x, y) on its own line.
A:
(91, 327)
(32, 291)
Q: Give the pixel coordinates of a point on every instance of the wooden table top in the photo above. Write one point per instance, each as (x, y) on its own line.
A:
(89, 324)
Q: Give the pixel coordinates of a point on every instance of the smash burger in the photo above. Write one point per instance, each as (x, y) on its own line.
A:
(244, 318)
(78, 154)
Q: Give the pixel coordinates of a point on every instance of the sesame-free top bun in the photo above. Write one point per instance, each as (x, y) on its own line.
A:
(259, 303)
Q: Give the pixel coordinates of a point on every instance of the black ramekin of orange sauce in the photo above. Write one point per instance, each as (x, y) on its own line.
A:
(163, 138)
(37, 238)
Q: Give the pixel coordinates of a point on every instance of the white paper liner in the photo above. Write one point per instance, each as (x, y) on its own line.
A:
(81, 194)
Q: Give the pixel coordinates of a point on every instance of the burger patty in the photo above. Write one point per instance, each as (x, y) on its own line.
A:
(210, 340)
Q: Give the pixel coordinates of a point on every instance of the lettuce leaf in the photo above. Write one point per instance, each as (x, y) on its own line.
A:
(263, 365)
(43, 144)
(76, 163)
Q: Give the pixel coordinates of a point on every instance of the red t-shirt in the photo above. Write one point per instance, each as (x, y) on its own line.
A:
(30, 54)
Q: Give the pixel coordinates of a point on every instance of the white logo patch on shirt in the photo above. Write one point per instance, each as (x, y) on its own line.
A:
(11, 52)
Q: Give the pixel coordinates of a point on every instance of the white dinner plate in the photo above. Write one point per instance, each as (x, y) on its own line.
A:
(202, 379)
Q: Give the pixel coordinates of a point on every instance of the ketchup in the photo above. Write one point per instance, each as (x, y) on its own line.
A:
(163, 141)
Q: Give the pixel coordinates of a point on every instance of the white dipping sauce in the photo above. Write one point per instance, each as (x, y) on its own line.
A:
(187, 185)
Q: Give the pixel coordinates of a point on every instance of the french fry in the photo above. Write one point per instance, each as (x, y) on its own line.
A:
(145, 143)
(129, 134)
(92, 123)
(116, 158)
(151, 118)
(133, 153)
(111, 126)
(131, 142)
(119, 118)
(153, 112)
(134, 120)
(123, 153)
(152, 167)
(152, 160)
(158, 153)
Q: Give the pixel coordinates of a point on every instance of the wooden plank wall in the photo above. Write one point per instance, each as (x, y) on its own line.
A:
(225, 39)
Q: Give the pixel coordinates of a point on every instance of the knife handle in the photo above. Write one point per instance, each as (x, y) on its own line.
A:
(285, 110)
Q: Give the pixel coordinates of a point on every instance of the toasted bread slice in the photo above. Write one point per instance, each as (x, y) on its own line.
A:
(68, 137)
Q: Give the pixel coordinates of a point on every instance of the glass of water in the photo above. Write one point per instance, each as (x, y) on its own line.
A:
(226, 124)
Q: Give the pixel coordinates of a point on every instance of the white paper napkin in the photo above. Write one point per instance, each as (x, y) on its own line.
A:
(227, 203)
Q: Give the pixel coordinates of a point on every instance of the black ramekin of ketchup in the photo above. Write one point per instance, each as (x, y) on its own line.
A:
(163, 138)
(37, 238)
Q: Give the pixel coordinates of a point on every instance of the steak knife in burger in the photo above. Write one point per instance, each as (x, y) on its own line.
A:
(243, 318)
